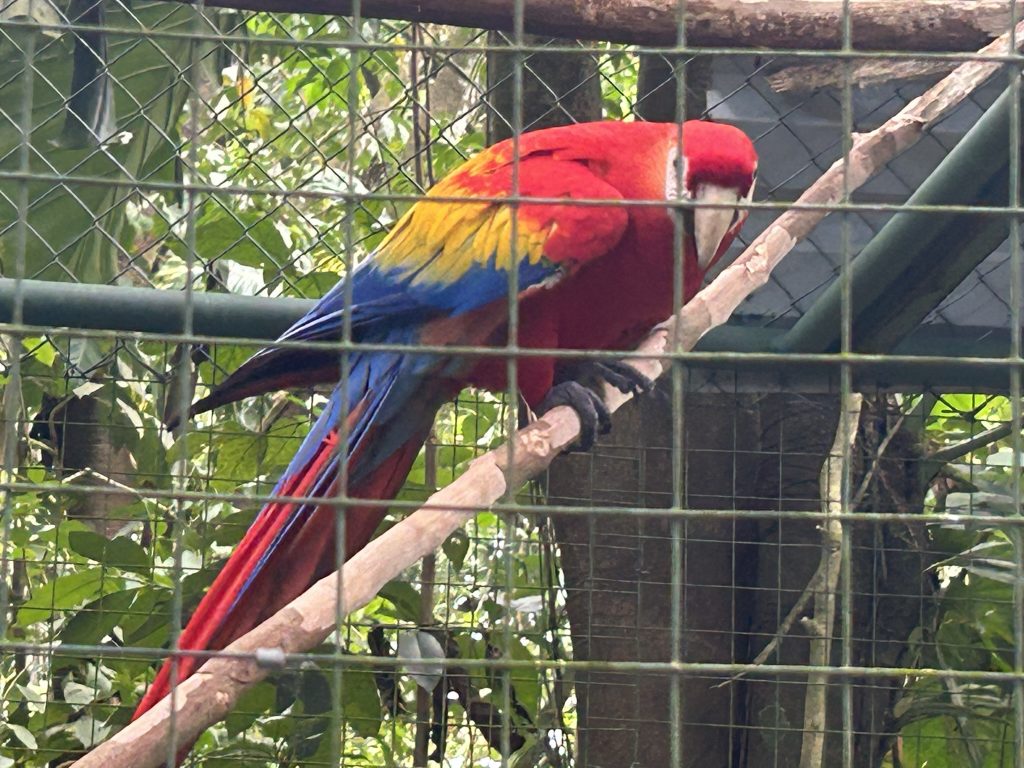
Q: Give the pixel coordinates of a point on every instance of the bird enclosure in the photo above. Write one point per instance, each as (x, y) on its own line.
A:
(802, 548)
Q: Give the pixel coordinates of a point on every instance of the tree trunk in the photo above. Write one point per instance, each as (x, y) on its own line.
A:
(619, 573)
(558, 88)
(87, 447)
(740, 578)
(891, 582)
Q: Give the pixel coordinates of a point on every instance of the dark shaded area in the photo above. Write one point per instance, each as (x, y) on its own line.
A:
(619, 574)
(85, 448)
(739, 578)
(90, 117)
(557, 88)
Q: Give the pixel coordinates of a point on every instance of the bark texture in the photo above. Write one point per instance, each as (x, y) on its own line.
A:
(619, 575)
(902, 25)
(86, 449)
(891, 588)
(558, 88)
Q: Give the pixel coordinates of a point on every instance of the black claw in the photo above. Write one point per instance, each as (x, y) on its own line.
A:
(593, 413)
(592, 373)
(623, 377)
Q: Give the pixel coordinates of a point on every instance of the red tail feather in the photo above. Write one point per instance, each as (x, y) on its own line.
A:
(306, 555)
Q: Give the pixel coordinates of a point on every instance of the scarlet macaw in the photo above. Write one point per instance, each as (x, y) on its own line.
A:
(595, 276)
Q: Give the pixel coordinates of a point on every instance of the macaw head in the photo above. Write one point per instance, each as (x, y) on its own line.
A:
(715, 167)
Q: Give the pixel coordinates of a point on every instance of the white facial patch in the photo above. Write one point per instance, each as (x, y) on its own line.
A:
(675, 175)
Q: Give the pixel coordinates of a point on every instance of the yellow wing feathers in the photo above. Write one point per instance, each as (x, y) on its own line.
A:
(451, 231)
(440, 240)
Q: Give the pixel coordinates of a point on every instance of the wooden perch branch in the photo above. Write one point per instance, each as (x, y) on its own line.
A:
(903, 25)
(211, 693)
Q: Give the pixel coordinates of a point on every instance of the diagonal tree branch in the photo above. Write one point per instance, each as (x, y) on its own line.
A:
(211, 693)
(981, 440)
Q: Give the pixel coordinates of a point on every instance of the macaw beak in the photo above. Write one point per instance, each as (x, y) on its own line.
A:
(710, 225)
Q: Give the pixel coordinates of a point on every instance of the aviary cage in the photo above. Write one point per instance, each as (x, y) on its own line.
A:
(803, 549)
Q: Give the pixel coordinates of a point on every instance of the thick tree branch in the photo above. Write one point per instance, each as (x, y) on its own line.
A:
(902, 25)
(210, 694)
(862, 74)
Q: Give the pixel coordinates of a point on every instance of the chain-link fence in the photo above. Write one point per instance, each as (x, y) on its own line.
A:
(802, 548)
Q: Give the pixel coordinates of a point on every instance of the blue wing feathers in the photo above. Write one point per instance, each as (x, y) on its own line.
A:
(381, 385)
(388, 306)
(386, 299)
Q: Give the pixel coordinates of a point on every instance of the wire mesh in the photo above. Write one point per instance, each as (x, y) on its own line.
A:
(655, 601)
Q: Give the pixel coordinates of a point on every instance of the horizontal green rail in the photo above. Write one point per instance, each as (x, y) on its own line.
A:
(147, 310)
(53, 305)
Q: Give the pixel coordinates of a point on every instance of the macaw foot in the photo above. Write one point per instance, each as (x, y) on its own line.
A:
(579, 387)
(622, 376)
(593, 413)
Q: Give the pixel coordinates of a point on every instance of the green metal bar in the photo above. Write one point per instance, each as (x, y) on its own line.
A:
(257, 318)
(917, 258)
(938, 343)
(147, 310)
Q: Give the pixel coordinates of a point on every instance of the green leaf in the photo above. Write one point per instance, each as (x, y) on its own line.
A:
(24, 735)
(66, 593)
(239, 454)
(360, 702)
(282, 441)
(405, 598)
(254, 703)
(42, 350)
(258, 119)
(120, 552)
(248, 237)
(421, 648)
(97, 619)
(315, 692)
(526, 682)
(315, 702)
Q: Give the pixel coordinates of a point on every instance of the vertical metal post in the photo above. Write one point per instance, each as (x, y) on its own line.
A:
(179, 471)
(512, 371)
(1016, 272)
(342, 500)
(678, 527)
(846, 389)
(12, 407)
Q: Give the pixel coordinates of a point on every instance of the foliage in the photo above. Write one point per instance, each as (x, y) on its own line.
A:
(973, 628)
(248, 124)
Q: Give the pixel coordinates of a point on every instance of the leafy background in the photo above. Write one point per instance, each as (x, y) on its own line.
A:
(116, 526)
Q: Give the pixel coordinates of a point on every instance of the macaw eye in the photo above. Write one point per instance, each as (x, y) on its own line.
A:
(678, 165)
